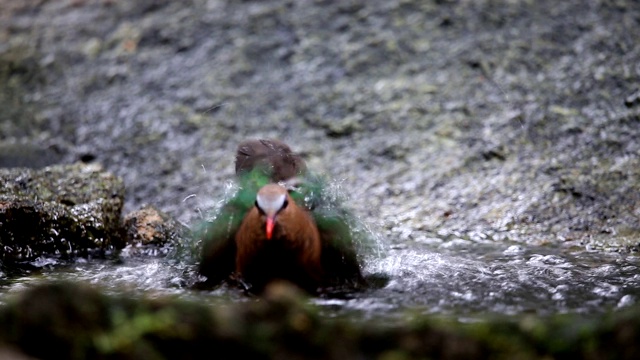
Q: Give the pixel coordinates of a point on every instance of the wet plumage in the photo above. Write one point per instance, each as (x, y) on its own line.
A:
(310, 244)
(290, 251)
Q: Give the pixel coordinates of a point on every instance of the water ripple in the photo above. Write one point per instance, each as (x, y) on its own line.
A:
(460, 278)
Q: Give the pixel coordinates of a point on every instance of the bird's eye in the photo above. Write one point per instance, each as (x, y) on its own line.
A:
(285, 204)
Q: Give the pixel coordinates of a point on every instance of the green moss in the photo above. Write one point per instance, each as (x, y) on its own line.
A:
(79, 322)
(129, 329)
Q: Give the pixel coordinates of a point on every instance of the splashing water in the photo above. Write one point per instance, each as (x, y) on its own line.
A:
(497, 278)
(455, 277)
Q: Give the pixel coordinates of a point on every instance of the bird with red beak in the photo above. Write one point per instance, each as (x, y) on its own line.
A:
(278, 239)
(270, 201)
(279, 226)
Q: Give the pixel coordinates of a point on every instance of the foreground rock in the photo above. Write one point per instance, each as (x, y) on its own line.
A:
(58, 211)
(71, 321)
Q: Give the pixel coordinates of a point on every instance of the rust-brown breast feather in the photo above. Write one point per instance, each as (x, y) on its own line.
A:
(295, 236)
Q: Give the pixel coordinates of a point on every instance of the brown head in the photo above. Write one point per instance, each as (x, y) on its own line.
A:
(273, 155)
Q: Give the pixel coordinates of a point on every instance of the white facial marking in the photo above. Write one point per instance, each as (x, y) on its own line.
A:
(270, 203)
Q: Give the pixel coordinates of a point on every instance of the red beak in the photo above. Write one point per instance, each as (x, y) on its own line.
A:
(271, 223)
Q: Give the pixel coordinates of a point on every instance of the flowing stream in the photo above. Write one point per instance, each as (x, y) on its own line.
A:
(459, 278)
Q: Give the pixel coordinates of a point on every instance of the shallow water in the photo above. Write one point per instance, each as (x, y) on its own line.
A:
(457, 278)
(447, 276)
(468, 279)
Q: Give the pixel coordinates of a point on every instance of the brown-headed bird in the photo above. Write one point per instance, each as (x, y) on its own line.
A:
(278, 240)
(268, 232)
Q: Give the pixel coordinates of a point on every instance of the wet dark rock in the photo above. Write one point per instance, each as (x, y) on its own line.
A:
(60, 211)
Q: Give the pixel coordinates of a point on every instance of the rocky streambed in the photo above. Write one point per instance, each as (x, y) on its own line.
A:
(489, 149)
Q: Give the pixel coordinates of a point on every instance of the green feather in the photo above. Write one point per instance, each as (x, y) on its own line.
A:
(340, 231)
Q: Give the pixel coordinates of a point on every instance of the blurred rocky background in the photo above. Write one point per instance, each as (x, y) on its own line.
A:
(511, 120)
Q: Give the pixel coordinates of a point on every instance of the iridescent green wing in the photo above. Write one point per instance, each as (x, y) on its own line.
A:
(335, 224)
